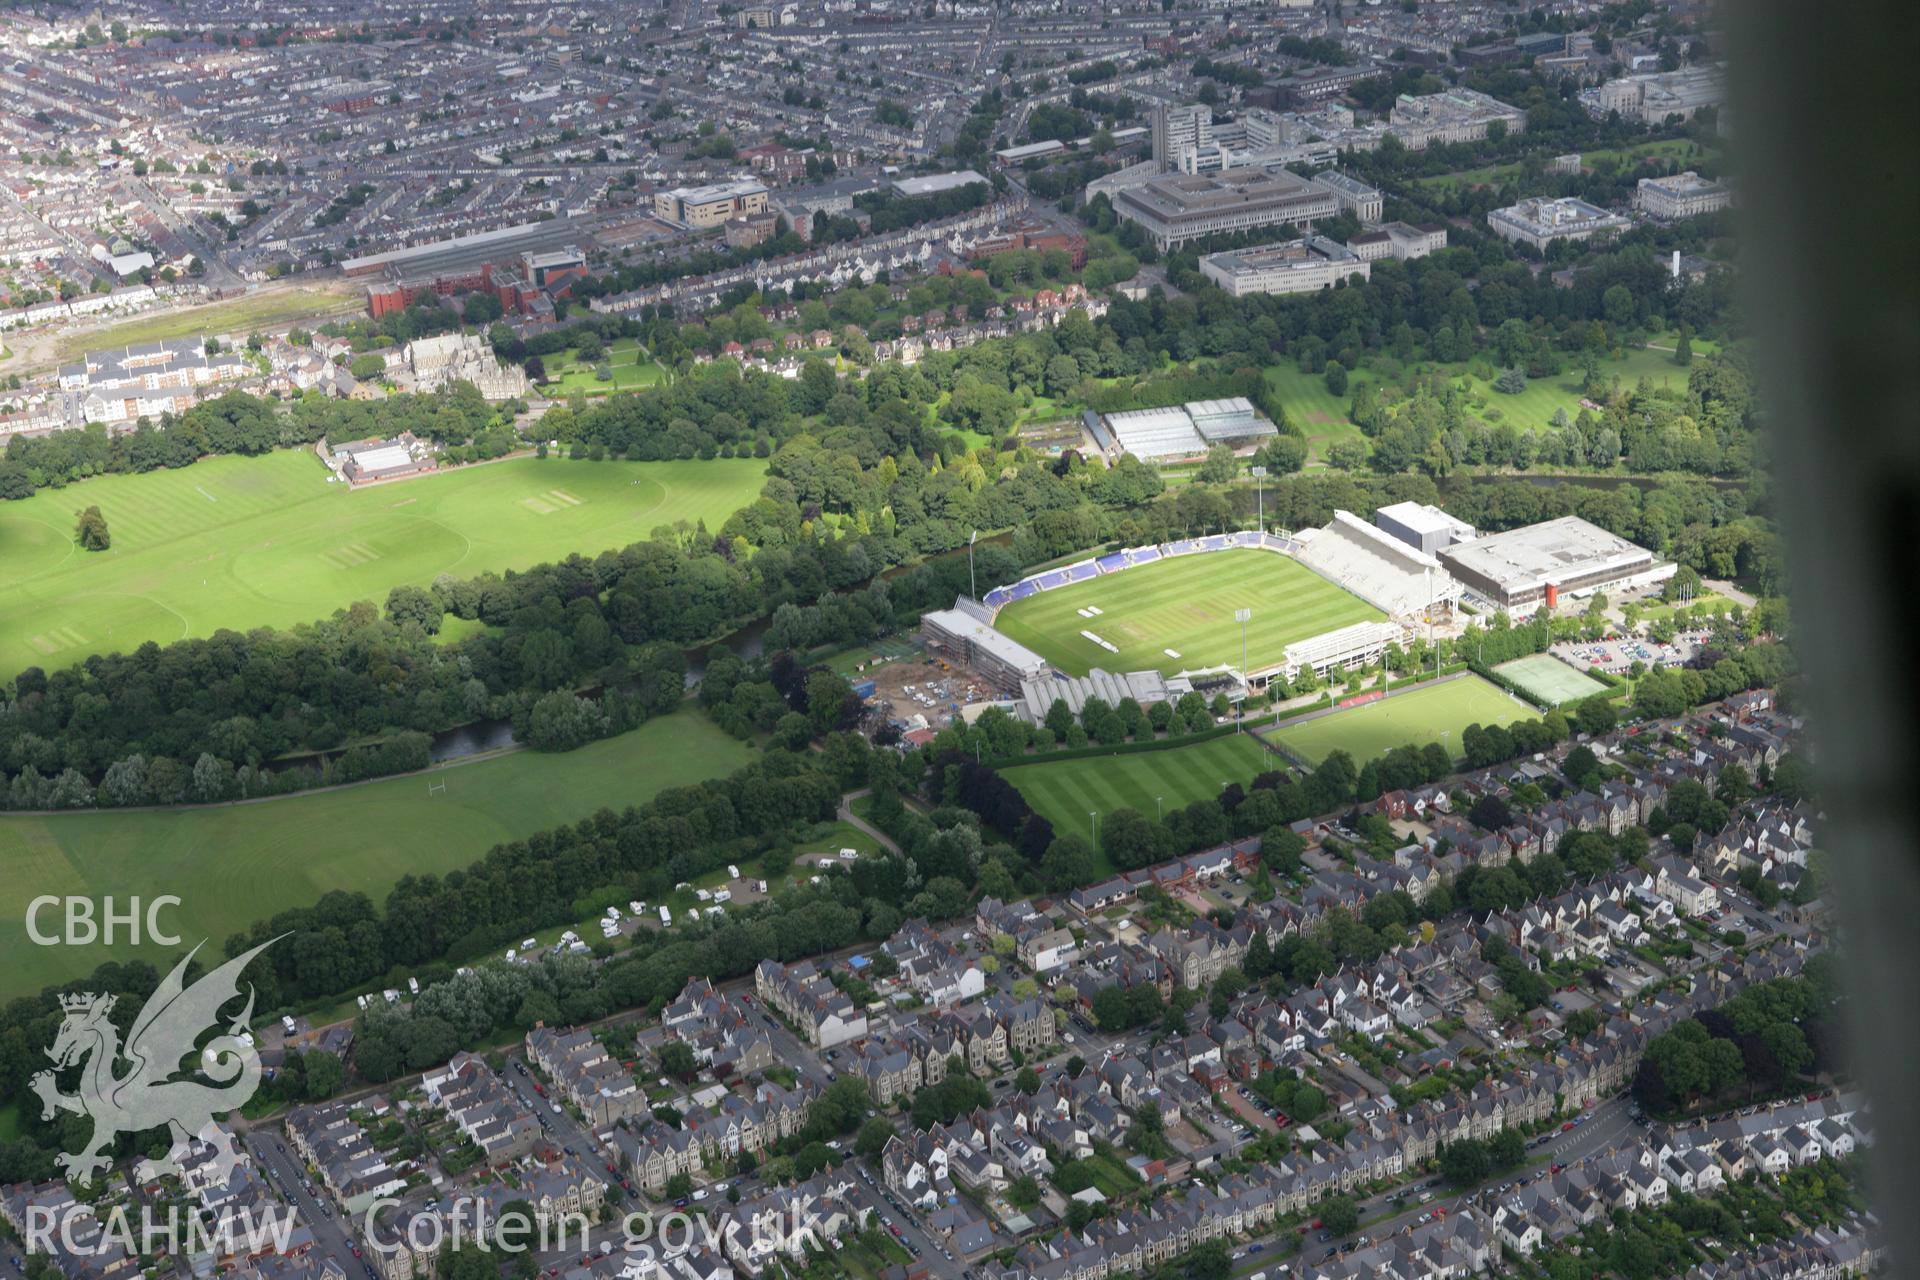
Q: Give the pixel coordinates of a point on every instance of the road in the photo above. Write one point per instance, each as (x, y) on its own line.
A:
(333, 1236)
(932, 1251)
(852, 819)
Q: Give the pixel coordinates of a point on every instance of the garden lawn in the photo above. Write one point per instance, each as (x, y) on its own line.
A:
(233, 864)
(1711, 601)
(1532, 409)
(1433, 713)
(1185, 604)
(1682, 149)
(568, 375)
(1549, 679)
(1323, 418)
(247, 542)
(1066, 791)
(1320, 415)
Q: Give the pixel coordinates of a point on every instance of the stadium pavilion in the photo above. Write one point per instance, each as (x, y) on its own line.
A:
(965, 633)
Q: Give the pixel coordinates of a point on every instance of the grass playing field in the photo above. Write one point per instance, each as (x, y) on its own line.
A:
(1549, 679)
(1437, 713)
(1186, 605)
(234, 864)
(245, 542)
(1066, 791)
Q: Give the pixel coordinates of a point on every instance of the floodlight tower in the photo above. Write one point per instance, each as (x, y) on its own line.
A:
(1243, 616)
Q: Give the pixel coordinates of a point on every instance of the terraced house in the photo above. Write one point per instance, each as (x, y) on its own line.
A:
(332, 1141)
(486, 1111)
(821, 1011)
(724, 1039)
(586, 1074)
(1198, 955)
(655, 1152)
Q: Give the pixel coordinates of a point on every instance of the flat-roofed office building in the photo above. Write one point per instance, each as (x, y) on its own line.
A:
(1176, 209)
(1297, 266)
(1683, 195)
(710, 206)
(1540, 563)
(1540, 220)
(1402, 240)
(1453, 115)
(1356, 197)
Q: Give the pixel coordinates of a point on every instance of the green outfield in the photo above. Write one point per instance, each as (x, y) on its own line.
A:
(1187, 605)
(1437, 713)
(233, 864)
(1065, 792)
(246, 542)
(1550, 680)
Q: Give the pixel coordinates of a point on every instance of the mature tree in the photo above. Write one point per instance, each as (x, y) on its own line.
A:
(1281, 850)
(90, 531)
(323, 1074)
(1464, 1163)
(1339, 1215)
(1220, 466)
(1069, 862)
(873, 1139)
(1581, 767)
(1506, 1149)
(677, 1060)
(1133, 840)
(1491, 813)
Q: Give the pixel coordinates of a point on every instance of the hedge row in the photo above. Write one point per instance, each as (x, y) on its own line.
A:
(1118, 749)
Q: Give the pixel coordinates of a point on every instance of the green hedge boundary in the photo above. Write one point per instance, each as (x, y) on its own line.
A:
(1090, 751)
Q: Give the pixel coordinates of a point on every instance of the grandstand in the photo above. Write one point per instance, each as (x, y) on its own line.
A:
(1351, 646)
(1364, 562)
(1037, 693)
(966, 633)
(1115, 561)
(1385, 572)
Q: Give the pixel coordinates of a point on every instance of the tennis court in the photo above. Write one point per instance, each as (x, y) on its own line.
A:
(1550, 680)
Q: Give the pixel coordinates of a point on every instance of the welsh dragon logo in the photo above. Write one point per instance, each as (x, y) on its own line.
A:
(147, 1096)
